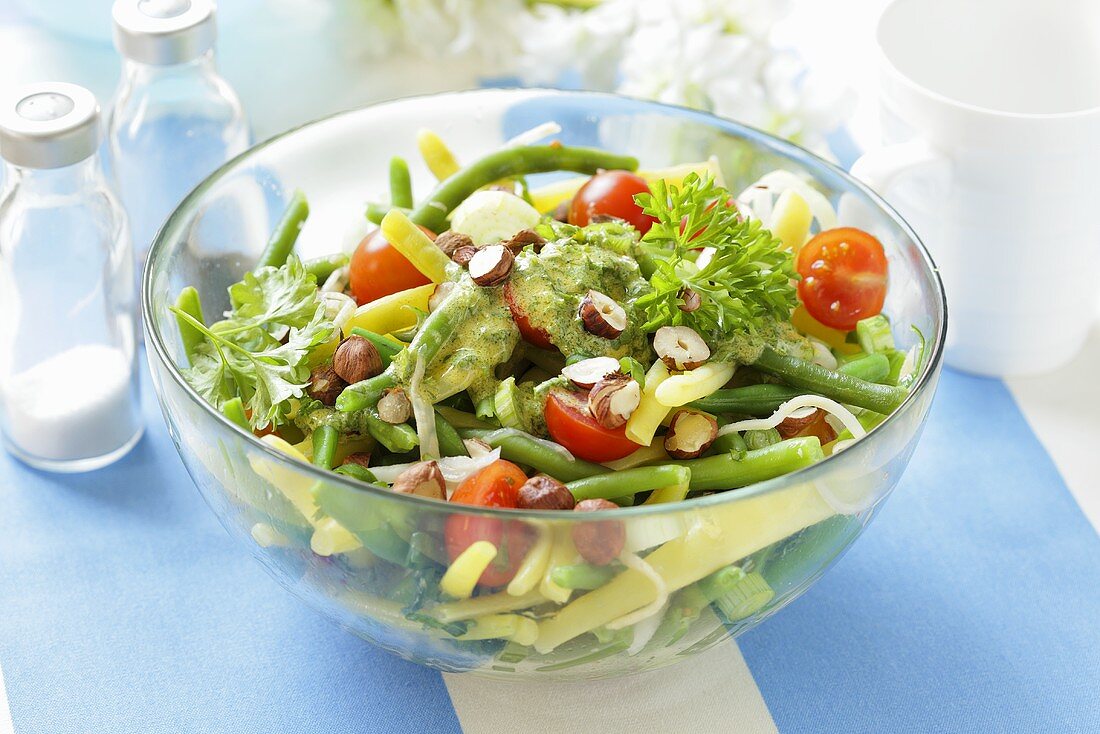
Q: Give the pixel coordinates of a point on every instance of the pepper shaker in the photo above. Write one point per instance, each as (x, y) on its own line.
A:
(174, 119)
(68, 368)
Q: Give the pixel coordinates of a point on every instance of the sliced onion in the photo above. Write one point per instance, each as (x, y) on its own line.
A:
(339, 308)
(760, 197)
(823, 355)
(534, 135)
(337, 280)
(791, 408)
(637, 563)
(424, 414)
(455, 469)
(644, 631)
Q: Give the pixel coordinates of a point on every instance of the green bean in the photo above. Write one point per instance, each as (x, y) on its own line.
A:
(401, 191)
(191, 338)
(450, 443)
(462, 419)
(234, 411)
(396, 437)
(322, 267)
(522, 448)
(683, 610)
(286, 232)
(629, 481)
(726, 472)
(357, 471)
(377, 212)
(325, 439)
(756, 400)
(365, 394)
(387, 348)
(835, 385)
(508, 163)
(871, 367)
(583, 576)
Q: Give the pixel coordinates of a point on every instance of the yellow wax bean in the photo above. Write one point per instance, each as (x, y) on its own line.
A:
(728, 534)
(417, 247)
(645, 419)
(790, 220)
(698, 383)
(562, 554)
(835, 338)
(533, 568)
(513, 627)
(390, 313)
(441, 161)
(461, 578)
(645, 455)
(498, 603)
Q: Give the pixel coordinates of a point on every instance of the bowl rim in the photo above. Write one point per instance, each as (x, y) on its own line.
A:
(778, 145)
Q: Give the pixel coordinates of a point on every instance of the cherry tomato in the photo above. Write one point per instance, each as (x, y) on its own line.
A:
(571, 424)
(611, 193)
(844, 277)
(533, 335)
(497, 485)
(378, 269)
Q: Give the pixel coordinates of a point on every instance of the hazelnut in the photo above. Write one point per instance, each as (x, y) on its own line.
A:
(613, 399)
(359, 458)
(325, 385)
(544, 493)
(604, 218)
(423, 479)
(357, 359)
(476, 448)
(680, 347)
(441, 293)
(588, 372)
(599, 542)
(491, 265)
(691, 300)
(690, 434)
(522, 239)
(602, 317)
(807, 422)
(394, 406)
(463, 254)
(561, 212)
(450, 241)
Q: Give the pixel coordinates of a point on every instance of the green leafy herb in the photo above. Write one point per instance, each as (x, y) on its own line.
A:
(746, 281)
(241, 355)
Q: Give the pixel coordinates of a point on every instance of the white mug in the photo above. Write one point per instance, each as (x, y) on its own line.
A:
(991, 122)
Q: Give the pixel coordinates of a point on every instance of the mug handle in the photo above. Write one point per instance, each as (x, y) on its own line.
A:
(881, 167)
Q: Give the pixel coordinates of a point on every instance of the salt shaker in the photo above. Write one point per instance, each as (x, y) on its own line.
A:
(68, 369)
(174, 120)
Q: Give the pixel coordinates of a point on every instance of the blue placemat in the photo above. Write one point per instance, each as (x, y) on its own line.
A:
(968, 606)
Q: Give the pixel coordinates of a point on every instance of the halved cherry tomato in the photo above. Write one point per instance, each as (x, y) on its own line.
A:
(533, 335)
(378, 269)
(611, 193)
(844, 276)
(571, 424)
(497, 485)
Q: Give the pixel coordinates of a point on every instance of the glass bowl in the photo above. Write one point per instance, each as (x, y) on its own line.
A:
(783, 533)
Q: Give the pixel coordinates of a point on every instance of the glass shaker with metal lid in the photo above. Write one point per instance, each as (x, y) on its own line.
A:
(68, 367)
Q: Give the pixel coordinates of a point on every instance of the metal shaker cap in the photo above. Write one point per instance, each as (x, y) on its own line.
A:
(163, 32)
(48, 125)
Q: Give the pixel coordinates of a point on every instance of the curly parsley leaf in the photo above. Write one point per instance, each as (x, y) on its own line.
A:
(746, 281)
(242, 357)
(284, 296)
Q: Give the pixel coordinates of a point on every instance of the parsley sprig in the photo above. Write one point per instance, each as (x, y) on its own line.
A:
(747, 280)
(259, 351)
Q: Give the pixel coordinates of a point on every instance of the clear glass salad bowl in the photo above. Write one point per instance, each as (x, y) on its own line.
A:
(788, 530)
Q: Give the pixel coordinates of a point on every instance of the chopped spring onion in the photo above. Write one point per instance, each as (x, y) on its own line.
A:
(506, 406)
(874, 334)
(791, 407)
